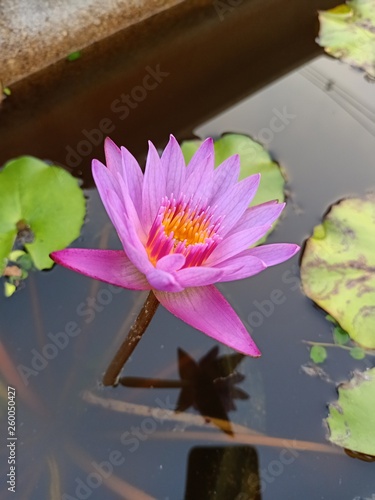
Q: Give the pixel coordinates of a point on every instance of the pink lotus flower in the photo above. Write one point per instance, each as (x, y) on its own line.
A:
(183, 228)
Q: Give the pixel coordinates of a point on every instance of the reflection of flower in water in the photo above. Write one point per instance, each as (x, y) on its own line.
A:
(208, 385)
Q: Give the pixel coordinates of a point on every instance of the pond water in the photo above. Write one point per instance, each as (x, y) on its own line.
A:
(79, 440)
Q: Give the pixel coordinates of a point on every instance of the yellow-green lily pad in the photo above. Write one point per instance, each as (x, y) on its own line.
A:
(41, 205)
(254, 159)
(338, 267)
(347, 32)
(351, 420)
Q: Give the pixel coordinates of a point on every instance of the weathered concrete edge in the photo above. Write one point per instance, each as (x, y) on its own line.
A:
(26, 51)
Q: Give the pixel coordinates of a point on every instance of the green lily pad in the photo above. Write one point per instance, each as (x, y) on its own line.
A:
(338, 267)
(254, 159)
(40, 205)
(318, 354)
(357, 353)
(347, 32)
(351, 420)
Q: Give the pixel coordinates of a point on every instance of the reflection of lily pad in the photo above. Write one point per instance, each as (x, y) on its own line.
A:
(41, 206)
(352, 419)
(338, 267)
(348, 33)
(254, 159)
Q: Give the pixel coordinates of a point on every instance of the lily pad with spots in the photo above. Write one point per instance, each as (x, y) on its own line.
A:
(351, 419)
(41, 209)
(254, 159)
(347, 32)
(338, 267)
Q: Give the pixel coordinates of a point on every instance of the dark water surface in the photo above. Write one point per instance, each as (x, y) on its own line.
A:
(71, 444)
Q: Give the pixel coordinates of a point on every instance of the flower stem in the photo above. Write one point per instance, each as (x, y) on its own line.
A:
(136, 331)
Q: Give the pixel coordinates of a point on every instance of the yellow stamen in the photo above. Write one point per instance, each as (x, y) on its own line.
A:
(187, 226)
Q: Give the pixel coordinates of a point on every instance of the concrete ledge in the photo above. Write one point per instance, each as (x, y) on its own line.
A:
(37, 33)
(211, 64)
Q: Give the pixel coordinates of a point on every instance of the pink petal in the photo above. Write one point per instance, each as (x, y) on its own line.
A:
(129, 207)
(198, 186)
(234, 202)
(134, 178)
(126, 177)
(110, 266)
(204, 152)
(207, 310)
(153, 187)
(128, 235)
(105, 182)
(112, 156)
(235, 244)
(241, 267)
(274, 253)
(198, 276)
(171, 263)
(174, 167)
(163, 281)
(225, 176)
(260, 215)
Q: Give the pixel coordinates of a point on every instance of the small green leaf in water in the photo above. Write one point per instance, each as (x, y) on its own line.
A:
(348, 33)
(338, 271)
(318, 354)
(331, 319)
(340, 336)
(351, 420)
(254, 159)
(15, 255)
(42, 208)
(74, 56)
(342, 10)
(7, 91)
(9, 289)
(25, 262)
(357, 353)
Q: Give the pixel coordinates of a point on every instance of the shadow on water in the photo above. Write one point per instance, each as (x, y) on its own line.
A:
(77, 439)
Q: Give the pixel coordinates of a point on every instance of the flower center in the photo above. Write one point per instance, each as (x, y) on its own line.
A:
(187, 225)
(181, 227)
